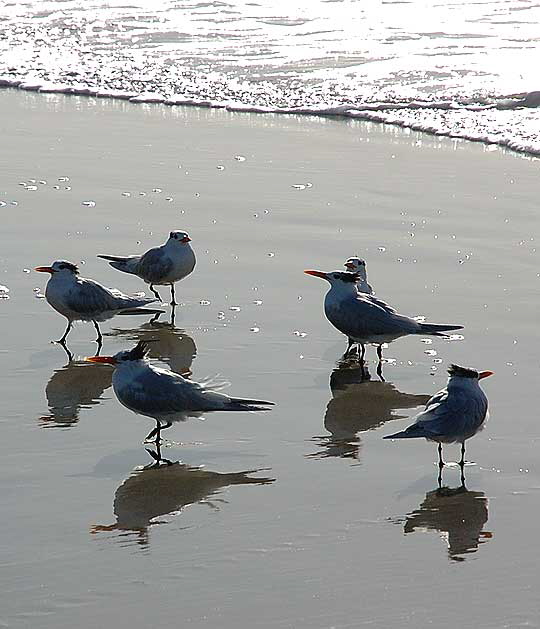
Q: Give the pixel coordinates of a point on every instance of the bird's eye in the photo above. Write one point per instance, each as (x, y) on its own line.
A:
(336, 277)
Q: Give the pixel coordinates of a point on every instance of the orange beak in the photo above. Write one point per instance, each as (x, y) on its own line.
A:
(485, 374)
(45, 269)
(186, 239)
(317, 274)
(349, 265)
(109, 360)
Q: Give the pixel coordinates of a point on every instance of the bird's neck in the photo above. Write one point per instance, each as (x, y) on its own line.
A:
(62, 278)
(129, 369)
(361, 270)
(340, 292)
(177, 249)
(457, 383)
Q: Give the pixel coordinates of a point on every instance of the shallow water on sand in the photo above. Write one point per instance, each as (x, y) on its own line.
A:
(302, 517)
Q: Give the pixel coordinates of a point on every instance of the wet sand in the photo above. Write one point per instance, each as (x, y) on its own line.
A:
(338, 528)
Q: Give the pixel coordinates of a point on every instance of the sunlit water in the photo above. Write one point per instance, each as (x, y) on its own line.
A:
(303, 516)
(461, 69)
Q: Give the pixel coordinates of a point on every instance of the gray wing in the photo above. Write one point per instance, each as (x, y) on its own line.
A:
(156, 393)
(154, 265)
(381, 303)
(452, 415)
(363, 317)
(89, 297)
(436, 399)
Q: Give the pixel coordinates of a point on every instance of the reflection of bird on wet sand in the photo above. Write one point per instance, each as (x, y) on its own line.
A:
(76, 385)
(167, 489)
(359, 404)
(458, 514)
(166, 343)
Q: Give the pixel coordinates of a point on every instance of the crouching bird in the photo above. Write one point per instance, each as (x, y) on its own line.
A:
(454, 414)
(166, 396)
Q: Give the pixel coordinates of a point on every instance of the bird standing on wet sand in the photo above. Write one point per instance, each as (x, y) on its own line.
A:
(81, 299)
(166, 396)
(366, 319)
(454, 414)
(358, 265)
(160, 266)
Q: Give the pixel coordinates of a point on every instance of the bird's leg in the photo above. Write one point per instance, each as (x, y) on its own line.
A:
(379, 352)
(439, 478)
(379, 372)
(63, 339)
(157, 432)
(173, 300)
(462, 462)
(173, 315)
(99, 346)
(157, 458)
(362, 353)
(153, 432)
(350, 343)
(66, 349)
(99, 339)
(441, 462)
(463, 477)
(155, 292)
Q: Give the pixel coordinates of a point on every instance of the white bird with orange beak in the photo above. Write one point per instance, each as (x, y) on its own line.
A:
(166, 396)
(366, 319)
(454, 414)
(358, 266)
(81, 299)
(160, 266)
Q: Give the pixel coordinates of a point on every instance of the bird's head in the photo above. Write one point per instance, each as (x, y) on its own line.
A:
(466, 374)
(337, 279)
(59, 267)
(180, 237)
(355, 264)
(139, 352)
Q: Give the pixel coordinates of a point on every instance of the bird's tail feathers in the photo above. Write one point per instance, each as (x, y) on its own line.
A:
(141, 311)
(243, 404)
(125, 264)
(412, 432)
(438, 329)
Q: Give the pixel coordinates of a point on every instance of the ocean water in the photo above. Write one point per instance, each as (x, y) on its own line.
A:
(462, 69)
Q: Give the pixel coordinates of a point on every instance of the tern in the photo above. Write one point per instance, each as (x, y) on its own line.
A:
(160, 266)
(367, 319)
(166, 396)
(358, 265)
(81, 299)
(454, 414)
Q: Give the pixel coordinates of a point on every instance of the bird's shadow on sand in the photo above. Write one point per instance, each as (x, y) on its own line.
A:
(456, 513)
(80, 384)
(359, 404)
(155, 493)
